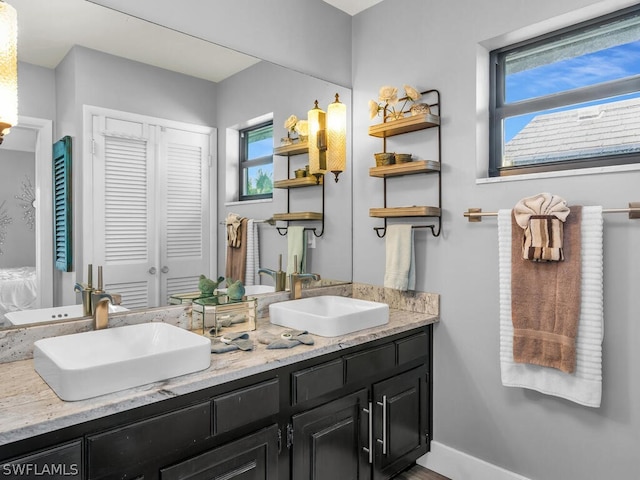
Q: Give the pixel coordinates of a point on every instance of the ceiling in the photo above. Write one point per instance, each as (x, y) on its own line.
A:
(44, 42)
(352, 6)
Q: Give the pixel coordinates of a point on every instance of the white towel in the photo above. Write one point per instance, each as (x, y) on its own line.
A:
(584, 386)
(251, 276)
(400, 259)
(296, 245)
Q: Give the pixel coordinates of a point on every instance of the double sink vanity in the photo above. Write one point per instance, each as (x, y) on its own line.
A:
(354, 404)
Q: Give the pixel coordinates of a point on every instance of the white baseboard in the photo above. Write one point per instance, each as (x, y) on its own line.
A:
(458, 465)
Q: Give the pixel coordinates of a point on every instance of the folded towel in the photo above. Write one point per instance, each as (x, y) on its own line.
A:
(253, 254)
(233, 222)
(545, 302)
(400, 259)
(296, 245)
(237, 256)
(541, 217)
(288, 339)
(232, 341)
(584, 385)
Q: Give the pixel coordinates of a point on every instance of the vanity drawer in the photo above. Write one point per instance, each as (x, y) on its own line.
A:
(316, 381)
(64, 461)
(127, 450)
(370, 362)
(411, 348)
(246, 405)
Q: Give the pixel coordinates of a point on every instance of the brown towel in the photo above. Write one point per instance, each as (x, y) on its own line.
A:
(237, 256)
(545, 301)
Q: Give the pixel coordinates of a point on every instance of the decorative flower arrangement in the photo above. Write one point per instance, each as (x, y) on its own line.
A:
(294, 125)
(388, 101)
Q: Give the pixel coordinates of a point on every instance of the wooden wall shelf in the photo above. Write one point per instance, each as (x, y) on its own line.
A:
(309, 181)
(395, 212)
(398, 127)
(292, 216)
(404, 125)
(409, 168)
(293, 149)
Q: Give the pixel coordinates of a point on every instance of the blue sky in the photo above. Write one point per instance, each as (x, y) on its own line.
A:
(609, 64)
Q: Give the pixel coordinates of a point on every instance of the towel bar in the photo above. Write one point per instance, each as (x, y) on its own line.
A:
(476, 214)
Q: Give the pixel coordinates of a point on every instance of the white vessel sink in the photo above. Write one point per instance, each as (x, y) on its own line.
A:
(68, 312)
(88, 364)
(329, 315)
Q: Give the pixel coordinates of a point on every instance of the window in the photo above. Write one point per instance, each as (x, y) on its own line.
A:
(256, 162)
(569, 99)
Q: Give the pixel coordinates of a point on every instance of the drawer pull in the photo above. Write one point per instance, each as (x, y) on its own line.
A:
(369, 449)
(383, 404)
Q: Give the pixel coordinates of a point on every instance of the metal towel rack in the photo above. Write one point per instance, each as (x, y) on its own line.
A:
(476, 214)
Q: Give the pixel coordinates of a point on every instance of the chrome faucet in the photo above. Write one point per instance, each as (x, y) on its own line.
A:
(100, 302)
(296, 279)
(86, 291)
(279, 277)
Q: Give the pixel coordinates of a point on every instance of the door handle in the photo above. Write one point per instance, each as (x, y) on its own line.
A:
(369, 447)
(152, 270)
(384, 424)
(164, 269)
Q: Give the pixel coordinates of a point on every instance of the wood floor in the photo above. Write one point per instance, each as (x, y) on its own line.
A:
(419, 473)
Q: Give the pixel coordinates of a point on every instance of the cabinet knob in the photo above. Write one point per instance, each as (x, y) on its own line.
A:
(152, 270)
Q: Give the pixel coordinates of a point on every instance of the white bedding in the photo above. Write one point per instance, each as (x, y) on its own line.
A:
(17, 289)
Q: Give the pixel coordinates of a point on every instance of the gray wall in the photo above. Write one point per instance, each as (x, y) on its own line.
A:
(36, 91)
(538, 436)
(267, 88)
(306, 35)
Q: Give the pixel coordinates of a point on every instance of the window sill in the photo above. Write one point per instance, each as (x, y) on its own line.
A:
(248, 202)
(560, 173)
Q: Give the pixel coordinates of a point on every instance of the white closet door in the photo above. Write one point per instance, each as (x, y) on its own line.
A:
(125, 241)
(184, 218)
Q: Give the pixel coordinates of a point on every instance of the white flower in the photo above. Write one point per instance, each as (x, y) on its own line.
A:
(374, 108)
(388, 100)
(388, 95)
(411, 92)
(290, 123)
(302, 127)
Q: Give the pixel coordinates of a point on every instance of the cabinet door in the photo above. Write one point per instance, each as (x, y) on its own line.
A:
(254, 457)
(328, 441)
(400, 421)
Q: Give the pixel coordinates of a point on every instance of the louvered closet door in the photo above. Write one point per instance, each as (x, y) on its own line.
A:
(124, 226)
(184, 213)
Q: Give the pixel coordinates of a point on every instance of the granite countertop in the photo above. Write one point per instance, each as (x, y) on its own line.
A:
(29, 407)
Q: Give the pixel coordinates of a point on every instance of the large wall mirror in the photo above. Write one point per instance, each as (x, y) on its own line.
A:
(202, 93)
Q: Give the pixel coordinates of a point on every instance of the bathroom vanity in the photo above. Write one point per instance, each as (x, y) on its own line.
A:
(357, 406)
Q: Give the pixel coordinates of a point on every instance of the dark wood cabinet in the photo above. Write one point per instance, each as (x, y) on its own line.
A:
(373, 433)
(253, 457)
(362, 413)
(326, 441)
(400, 426)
